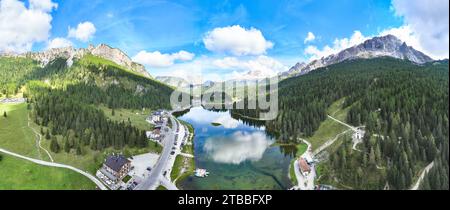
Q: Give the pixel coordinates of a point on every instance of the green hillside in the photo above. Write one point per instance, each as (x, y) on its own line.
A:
(72, 107)
(18, 174)
(404, 107)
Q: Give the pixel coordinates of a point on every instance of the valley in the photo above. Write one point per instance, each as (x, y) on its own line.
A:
(365, 122)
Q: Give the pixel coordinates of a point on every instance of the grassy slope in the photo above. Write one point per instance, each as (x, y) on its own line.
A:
(20, 174)
(329, 128)
(180, 162)
(15, 135)
(137, 120)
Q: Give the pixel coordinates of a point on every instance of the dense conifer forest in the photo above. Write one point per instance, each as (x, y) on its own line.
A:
(403, 106)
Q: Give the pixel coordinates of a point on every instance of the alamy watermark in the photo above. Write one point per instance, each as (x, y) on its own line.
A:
(260, 95)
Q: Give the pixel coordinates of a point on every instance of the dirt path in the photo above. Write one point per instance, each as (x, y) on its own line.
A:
(422, 175)
(328, 143)
(39, 140)
(343, 123)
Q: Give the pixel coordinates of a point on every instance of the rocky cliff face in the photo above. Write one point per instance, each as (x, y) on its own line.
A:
(102, 50)
(118, 57)
(388, 45)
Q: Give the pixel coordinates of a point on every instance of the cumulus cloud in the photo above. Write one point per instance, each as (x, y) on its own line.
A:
(338, 45)
(59, 42)
(309, 38)
(158, 59)
(237, 41)
(21, 27)
(43, 5)
(237, 148)
(426, 25)
(83, 32)
(256, 68)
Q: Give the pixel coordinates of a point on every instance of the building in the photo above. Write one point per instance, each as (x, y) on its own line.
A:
(116, 167)
(155, 134)
(304, 167)
(359, 134)
(158, 116)
(308, 158)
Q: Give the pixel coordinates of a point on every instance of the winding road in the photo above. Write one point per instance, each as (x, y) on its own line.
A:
(58, 165)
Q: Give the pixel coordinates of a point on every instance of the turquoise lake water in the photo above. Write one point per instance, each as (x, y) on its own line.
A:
(237, 155)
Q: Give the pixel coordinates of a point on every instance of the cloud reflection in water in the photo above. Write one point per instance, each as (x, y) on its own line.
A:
(237, 147)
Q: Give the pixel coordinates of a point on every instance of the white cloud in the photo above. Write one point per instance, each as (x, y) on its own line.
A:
(59, 42)
(226, 121)
(426, 25)
(157, 59)
(338, 45)
(21, 27)
(206, 68)
(256, 68)
(425, 29)
(309, 38)
(43, 5)
(237, 148)
(83, 32)
(237, 41)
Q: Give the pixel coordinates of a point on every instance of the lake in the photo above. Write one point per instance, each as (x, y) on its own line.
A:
(238, 154)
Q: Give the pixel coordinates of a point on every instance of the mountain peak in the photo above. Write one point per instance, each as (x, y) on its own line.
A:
(102, 50)
(388, 45)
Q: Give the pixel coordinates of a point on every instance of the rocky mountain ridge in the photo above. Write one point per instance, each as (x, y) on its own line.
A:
(70, 53)
(388, 45)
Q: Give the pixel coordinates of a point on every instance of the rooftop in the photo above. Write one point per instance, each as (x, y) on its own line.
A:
(116, 162)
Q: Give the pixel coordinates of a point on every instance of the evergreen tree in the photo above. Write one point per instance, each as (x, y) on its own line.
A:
(66, 146)
(54, 146)
(47, 135)
(78, 150)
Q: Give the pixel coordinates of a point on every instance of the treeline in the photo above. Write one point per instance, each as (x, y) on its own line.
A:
(82, 125)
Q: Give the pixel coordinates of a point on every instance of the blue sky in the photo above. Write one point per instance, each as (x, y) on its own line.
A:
(170, 35)
(169, 26)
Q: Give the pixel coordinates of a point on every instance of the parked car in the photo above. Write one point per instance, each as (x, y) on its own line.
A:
(149, 169)
(172, 153)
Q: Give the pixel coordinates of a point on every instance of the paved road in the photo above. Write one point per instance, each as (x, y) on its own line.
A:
(152, 181)
(58, 165)
(422, 175)
(168, 184)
